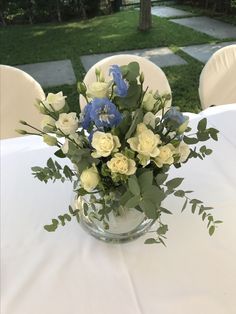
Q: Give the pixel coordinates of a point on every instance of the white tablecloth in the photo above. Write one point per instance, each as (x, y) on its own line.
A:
(69, 272)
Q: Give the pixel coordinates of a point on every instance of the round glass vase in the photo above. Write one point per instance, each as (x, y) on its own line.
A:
(120, 225)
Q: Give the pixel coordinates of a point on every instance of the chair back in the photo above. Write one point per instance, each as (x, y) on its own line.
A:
(18, 94)
(217, 84)
(154, 77)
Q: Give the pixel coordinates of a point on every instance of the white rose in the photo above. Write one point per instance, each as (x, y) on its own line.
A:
(165, 156)
(47, 123)
(149, 119)
(55, 102)
(98, 90)
(89, 179)
(105, 144)
(183, 151)
(65, 146)
(145, 142)
(68, 123)
(148, 101)
(121, 164)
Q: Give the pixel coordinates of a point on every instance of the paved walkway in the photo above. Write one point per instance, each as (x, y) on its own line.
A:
(209, 26)
(163, 11)
(57, 73)
(204, 52)
(160, 56)
(50, 74)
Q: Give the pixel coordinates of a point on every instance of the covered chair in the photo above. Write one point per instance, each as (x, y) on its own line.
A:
(154, 77)
(18, 94)
(217, 85)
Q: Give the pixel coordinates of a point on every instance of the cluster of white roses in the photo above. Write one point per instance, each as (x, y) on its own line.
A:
(145, 142)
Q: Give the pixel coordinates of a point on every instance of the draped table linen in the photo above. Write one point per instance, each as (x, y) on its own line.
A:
(70, 272)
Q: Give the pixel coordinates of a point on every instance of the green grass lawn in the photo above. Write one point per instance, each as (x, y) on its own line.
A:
(200, 11)
(50, 42)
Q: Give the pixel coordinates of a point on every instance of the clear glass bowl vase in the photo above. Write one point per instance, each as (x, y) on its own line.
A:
(120, 225)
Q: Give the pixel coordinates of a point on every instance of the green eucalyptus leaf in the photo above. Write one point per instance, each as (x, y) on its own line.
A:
(149, 208)
(161, 178)
(190, 140)
(174, 183)
(133, 202)
(202, 125)
(145, 179)
(211, 230)
(179, 193)
(138, 118)
(154, 194)
(185, 205)
(134, 186)
(59, 153)
(151, 241)
(162, 230)
(53, 226)
(64, 218)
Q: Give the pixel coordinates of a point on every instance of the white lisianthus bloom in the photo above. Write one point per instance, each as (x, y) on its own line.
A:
(47, 123)
(166, 155)
(75, 137)
(55, 102)
(98, 90)
(183, 151)
(105, 144)
(89, 179)
(121, 164)
(145, 142)
(148, 101)
(149, 119)
(68, 123)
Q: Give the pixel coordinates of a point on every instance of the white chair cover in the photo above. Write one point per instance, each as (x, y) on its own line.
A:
(217, 85)
(18, 94)
(154, 77)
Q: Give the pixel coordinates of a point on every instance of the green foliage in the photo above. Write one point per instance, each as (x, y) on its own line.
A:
(62, 219)
(53, 172)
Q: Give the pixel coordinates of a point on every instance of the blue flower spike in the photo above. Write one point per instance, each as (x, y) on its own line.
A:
(121, 88)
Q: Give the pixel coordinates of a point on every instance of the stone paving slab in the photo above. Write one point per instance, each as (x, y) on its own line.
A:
(208, 26)
(50, 74)
(160, 56)
(163, 11)
(204, 52)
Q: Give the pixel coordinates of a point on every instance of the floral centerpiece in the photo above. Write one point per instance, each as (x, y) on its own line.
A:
(121, 147)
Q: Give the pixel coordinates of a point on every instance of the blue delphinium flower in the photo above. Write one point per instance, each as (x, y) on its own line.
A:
(85, 116)
(176, 120)
(174, 115)
(104, 113)
(121, 86)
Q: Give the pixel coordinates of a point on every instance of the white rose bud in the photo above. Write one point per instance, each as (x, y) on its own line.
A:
(55, 102)
(149, 119)
(68, 123)
(65, 146)
(89, 179)
(183, 151)
(47, 123)
(148, 101)
(50, 140)
(98, 90)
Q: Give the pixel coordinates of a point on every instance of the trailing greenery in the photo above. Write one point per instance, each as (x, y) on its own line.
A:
(121, 147)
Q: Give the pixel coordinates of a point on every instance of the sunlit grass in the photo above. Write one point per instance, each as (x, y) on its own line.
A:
(117, 32)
